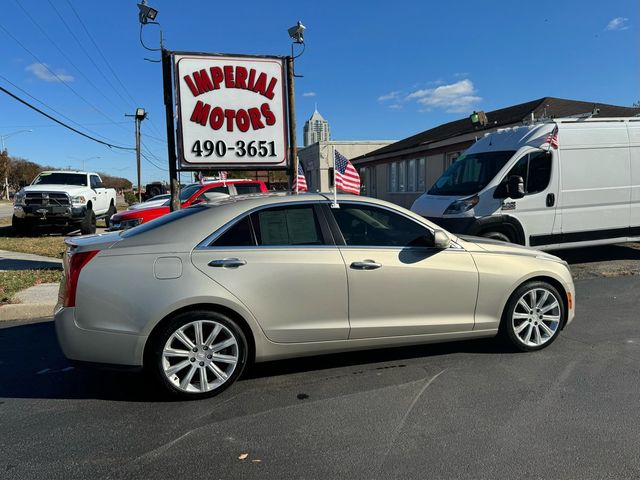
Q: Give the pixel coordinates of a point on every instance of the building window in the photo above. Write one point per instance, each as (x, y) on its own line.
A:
(393, 177)
(412, 175)
(402, 177)
(422, 174)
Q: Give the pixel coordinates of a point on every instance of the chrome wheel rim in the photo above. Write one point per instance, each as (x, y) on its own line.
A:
(536, 317)
(200, 356)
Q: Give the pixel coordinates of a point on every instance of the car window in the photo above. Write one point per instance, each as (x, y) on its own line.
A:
(239, 235)
(376, 227)
(535, 170)
(244, 189)
(95, 181)
(220, 189)
(287, 226)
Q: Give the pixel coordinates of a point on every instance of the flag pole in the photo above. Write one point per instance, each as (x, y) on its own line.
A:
(335, 187)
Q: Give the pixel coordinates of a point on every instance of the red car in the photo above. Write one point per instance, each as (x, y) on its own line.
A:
(189, 195)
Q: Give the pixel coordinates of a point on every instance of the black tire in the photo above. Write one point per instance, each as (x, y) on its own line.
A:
(88, 225)
(112, 211)
(155, 363)
(512, 329)
(503, 237)
(20, 226)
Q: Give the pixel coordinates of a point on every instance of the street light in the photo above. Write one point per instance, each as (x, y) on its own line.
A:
(146, 13)
(83, 160)
(2, 137)
(297, 32)
(3, 150)
(139, 116)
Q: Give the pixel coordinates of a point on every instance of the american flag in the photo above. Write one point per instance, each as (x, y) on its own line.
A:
(299, 181)
(552, 138)
(222, 175)
(347, 178)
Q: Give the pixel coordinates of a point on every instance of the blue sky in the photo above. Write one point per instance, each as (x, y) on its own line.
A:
(377, 70)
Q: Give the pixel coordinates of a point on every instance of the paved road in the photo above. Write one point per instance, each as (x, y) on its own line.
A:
(460, 410)
(6, 209)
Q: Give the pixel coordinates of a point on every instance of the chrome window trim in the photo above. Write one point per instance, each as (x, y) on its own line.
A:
(206, 243)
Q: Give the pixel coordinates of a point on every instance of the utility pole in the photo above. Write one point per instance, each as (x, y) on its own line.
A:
(139, 116)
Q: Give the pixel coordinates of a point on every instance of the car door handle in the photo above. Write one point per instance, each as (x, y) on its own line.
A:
(365, 265)
(228, 263)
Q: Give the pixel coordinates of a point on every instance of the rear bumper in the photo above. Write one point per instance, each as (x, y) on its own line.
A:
(96, 346)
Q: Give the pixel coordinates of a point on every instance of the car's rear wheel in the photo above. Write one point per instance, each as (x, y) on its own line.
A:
(533, 316)
(198, 354)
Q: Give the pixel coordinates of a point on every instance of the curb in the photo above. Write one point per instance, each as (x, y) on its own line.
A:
(17, 311)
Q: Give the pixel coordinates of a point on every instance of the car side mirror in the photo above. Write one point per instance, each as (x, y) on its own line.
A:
(515, 187)
(441, 240)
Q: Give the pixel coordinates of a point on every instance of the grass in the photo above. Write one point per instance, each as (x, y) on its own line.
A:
(11, 282)
(48, 246)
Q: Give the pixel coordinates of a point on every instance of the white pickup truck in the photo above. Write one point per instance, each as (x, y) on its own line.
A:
(64, 199)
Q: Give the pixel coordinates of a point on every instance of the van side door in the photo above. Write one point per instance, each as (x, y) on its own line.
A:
(536, 211)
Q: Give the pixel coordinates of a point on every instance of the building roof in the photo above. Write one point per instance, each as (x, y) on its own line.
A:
(547, 107)
(316, 116)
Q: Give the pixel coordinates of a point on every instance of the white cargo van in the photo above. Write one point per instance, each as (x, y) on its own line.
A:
(520, 185)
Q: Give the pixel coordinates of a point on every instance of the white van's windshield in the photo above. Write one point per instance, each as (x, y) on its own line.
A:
(470, 173)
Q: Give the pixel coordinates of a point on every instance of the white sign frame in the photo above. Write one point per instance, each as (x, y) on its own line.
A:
(254, 89)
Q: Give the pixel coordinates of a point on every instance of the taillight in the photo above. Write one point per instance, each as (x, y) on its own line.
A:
(76, 261)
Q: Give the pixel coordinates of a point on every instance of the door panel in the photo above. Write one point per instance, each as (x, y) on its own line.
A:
(536, 211)
(398, 283)
(414, 291)
(296, 294)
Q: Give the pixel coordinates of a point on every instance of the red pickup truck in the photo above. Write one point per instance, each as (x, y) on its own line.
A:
(189, 195)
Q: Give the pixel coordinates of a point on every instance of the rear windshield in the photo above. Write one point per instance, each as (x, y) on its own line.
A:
(61, 178)
(160, 221)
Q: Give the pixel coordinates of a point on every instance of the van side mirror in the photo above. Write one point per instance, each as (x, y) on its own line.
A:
(441, 240)
(515, 186)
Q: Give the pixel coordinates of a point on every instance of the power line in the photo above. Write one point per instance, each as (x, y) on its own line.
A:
(100, 51)
(70, 120)
(24, 102)
(61, 80)
(143, 155)
(102, 74)
(55, 45)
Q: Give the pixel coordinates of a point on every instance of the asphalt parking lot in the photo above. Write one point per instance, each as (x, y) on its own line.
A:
(458, 410)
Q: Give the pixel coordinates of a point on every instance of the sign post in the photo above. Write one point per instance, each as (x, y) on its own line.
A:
(171, 142)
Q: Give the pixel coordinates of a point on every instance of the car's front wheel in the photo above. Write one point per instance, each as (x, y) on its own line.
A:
(197, 354)
(533, 316)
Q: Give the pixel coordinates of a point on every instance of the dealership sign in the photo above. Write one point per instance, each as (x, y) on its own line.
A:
(231, 112)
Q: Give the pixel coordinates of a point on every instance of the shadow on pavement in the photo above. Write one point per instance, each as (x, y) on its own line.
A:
(32, 366)
(600, 254)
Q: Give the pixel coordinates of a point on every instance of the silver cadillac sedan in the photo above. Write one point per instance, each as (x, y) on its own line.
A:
(197, 295)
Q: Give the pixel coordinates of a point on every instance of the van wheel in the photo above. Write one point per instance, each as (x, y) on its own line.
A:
(497, 236)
